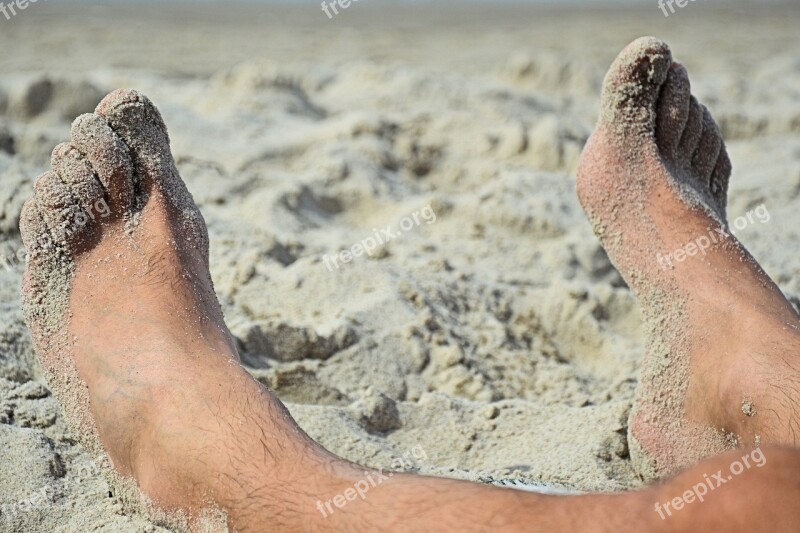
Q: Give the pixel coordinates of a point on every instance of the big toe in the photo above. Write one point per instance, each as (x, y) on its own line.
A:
(138, 123)
(633, 84)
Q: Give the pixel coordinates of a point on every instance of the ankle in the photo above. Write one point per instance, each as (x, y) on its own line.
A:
(752, 385)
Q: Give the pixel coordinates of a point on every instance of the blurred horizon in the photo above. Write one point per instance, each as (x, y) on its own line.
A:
(210, 35)
(439, 3)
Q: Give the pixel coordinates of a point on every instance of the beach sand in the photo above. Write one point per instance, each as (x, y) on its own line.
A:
(489, 338)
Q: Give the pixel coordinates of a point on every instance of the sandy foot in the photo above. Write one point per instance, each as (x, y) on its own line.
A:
(124, 317)
(653, 180)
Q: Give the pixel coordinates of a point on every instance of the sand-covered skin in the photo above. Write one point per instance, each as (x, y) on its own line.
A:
(655, 162)
(494, 342)
(653, 180)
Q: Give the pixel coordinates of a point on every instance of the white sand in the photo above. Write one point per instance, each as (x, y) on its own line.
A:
(494, 343)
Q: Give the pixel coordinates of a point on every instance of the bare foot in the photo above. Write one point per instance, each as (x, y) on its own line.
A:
(653, 181)
(127, 326)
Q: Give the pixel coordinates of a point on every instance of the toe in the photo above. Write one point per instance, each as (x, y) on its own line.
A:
(63, 216)
(673, 109)
(33, 229)
(633, 84)
(692, 132)
(720, 177)
(77, 174)
(705, 157)
(47, 264)
(137, 121)
(108, 156)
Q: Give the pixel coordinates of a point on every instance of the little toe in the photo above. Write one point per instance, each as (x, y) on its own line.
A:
(720, 177)
(108, 156)
(63, 216)
(673, 109)
(34, 232)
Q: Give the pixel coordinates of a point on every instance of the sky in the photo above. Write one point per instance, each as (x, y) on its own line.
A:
(300, 3)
